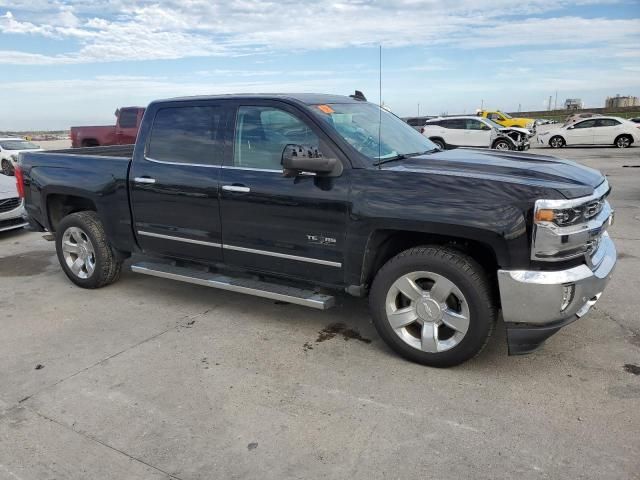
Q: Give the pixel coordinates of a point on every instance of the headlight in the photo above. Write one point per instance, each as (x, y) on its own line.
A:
(553, 211)
(565, 229)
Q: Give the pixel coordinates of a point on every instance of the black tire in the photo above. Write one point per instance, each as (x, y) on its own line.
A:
(502, 144)
(7, 168)
(465, 273)
(623, 141)
(107, 265)
(89, 142)
(557, 142)
(439, 143)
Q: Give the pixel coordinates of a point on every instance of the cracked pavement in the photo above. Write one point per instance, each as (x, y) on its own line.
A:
(154, 379)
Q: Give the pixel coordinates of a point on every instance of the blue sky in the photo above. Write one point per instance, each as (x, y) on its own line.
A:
(70, 62)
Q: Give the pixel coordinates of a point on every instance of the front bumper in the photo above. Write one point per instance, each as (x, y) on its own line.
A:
(536, 304)
(13, 219)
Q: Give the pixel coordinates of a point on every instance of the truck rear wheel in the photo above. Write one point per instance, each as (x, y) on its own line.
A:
(84, 252)
(433, 306)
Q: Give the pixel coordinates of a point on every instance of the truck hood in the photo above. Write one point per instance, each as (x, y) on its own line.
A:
(524, 131)
(568, 178)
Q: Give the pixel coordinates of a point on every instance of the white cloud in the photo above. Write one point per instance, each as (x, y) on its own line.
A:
(113, 30)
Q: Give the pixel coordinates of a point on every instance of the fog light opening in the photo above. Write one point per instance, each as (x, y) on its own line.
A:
(568, 292)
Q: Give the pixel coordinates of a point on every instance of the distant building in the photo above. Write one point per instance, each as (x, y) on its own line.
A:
(573, 104)
(622, 101)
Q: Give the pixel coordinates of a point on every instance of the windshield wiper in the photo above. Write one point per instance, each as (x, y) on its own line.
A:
(403, 156)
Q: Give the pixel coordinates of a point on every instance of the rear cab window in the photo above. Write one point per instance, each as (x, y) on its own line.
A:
(128, 118)
(189, 135)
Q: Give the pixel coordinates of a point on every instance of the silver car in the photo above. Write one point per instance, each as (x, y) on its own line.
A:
(11, 206)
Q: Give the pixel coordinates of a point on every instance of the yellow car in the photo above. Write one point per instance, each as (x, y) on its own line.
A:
(507, 120)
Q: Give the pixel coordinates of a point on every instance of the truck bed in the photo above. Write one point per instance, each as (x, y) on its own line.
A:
(97, 175)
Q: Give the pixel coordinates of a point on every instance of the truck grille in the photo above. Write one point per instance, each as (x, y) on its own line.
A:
(9, 204)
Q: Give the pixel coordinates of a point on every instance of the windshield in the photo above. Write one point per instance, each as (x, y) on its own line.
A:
(358, 124)
(17, 145)
(506, 115)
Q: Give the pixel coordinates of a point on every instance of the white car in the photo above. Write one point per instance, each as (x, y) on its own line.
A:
(593, 131)
(472, 131)
(10, 147)
(11, 206)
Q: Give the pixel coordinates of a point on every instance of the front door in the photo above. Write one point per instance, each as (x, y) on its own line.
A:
(174, 183)
(287, 226)
(582, 133)
(477, 134)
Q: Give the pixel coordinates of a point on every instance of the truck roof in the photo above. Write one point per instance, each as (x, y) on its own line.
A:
(305, 98)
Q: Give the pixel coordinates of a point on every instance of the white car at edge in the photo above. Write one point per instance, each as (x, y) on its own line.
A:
(593, 131)
(10, 147)
(11, 206)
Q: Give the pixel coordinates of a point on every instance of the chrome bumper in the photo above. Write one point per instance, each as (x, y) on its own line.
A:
(537, 297)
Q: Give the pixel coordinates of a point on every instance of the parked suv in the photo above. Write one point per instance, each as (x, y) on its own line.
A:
(507, 120)
(298, 197)
(469, 131)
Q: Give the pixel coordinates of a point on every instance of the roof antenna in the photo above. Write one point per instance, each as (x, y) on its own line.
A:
(380, 107)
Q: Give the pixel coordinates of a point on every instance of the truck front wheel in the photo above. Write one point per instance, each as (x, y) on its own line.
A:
(433, 306)
(84, 252)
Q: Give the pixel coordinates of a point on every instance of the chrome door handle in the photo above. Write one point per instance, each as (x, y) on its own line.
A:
(144, 180)
(236, 188)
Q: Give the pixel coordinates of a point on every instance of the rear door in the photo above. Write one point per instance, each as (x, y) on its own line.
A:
(582, 133)
(455, 132)
(606, 130)
(288, 226)
(174, 182)
(127, 125)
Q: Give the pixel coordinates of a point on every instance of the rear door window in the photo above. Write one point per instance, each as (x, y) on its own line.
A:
(607, 122)
(456, 124)
(192, 135)
(128, 118)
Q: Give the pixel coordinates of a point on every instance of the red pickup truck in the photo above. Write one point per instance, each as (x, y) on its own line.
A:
(124, 132)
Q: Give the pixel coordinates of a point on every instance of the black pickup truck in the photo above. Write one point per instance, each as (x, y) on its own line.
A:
(295, 197)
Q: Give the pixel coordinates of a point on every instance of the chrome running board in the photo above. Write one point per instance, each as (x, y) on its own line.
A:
(258, 288)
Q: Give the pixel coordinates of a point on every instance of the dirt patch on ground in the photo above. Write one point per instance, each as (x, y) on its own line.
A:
(340, 329)
(25, 264)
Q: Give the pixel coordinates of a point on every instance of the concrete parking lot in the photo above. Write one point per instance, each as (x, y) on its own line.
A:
(151, 378)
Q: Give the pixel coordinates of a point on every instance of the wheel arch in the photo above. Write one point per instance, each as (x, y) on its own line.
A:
(628, 135)
(384, 244)
(438, 138)
(59, 205)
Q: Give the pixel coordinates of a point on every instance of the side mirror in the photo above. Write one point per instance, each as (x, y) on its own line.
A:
(301, 158)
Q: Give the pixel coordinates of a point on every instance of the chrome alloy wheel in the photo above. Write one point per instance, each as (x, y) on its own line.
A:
(427, 311)
(556, 142)
(78, 252)
(623, 142)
